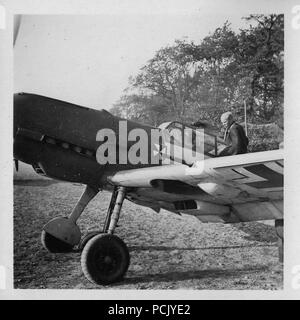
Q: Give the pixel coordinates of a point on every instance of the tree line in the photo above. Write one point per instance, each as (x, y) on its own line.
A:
(190, 81)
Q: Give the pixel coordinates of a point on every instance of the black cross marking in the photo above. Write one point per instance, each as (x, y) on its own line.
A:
(273, 178)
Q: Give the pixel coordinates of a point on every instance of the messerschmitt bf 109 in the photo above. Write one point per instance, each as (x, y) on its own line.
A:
(92, 147)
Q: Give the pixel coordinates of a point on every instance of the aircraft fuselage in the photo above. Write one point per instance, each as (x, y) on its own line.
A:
(59, 138)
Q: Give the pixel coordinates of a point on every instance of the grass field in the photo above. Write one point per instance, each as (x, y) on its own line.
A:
(167, 251)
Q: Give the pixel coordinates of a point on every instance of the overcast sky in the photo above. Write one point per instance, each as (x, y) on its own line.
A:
(87, 59)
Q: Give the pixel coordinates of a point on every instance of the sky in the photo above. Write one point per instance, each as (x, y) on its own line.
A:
(87, 59)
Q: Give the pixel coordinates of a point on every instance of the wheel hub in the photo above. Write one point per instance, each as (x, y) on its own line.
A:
(108, 260)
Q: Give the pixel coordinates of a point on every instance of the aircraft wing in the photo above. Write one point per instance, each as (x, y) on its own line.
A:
(246, 187)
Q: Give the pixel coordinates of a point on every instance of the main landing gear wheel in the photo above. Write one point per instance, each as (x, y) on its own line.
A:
(60, 235)
(54, 245)
(105, 259)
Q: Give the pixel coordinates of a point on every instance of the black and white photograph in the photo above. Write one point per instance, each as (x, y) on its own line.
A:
(148, 148)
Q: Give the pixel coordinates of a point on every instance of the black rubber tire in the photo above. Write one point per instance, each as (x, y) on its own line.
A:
(86, 238)
(54, 245)
(105, 259)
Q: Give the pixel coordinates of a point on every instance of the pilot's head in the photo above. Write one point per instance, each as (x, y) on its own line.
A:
(227, 119)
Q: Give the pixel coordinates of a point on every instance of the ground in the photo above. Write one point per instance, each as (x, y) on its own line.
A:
(167, 251)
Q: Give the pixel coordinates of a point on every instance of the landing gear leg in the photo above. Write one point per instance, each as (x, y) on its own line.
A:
(105, 258)
(114, 210)
(62, 234)
(85, 239)
(279, 232)
(87, 195)
(110, 210)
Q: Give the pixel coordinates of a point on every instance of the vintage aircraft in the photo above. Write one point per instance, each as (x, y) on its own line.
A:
(59, 140)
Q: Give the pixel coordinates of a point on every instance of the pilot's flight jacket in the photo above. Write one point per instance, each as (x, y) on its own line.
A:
(236, 140)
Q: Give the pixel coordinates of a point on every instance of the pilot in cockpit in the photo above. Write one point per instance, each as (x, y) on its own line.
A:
(234, 136)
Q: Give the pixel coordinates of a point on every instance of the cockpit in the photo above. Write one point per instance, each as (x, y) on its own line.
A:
(192, 137)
